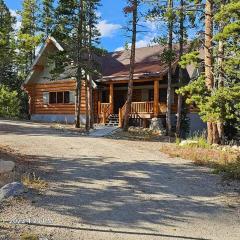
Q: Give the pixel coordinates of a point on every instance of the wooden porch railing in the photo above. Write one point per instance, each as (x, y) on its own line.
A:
(104, 110)
(136, 108)
(142, 107)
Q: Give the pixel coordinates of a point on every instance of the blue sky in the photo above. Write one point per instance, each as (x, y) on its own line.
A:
(111, 24)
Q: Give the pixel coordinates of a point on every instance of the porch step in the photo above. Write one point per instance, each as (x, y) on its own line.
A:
(113, 120)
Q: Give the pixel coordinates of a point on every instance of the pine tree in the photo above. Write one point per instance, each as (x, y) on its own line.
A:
(47, 17)
(76, 29)
(28, 36)
(181, 43)
(92, 41)
(132, 8)
(170, 18)
(187, 13)
(165, 11)
(7, 47)
(218, 98)
(228, 19)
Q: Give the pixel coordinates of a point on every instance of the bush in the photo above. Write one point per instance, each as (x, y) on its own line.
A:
(198, 140)
(9, 103)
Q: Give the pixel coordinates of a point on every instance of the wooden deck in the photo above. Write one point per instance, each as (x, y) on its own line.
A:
(143, 110)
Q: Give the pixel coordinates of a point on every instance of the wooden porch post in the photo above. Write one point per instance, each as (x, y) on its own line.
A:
(156, 98)
(111, 98)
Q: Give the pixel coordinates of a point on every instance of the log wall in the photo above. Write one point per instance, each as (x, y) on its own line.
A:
(35, 92)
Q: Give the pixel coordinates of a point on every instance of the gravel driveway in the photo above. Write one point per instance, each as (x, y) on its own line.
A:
(117, 189)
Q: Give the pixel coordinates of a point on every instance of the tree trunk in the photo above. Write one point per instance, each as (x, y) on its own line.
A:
(181, 42)
(220, 126)
(91, 107)
(79, 67)
(210, 132)
(91, 110)
(132, 64)
(87, 104)
(169, 89)
(77, 119)
(213, 135)
(208, 44)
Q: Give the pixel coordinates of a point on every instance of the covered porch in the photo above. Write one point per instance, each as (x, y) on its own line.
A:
(149, 100)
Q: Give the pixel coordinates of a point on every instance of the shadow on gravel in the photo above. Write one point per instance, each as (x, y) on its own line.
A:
(151, 234)
(102, 192)
(34, 129)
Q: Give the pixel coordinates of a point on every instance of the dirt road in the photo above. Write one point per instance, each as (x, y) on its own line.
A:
(116, 189)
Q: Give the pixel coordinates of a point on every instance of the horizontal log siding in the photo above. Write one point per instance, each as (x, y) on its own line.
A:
(36, 98)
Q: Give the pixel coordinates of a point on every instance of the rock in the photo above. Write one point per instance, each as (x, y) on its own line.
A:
(11, 190)
(157, 126)
(6, 172)
(188, 143)
(235, 148)
(6, 166)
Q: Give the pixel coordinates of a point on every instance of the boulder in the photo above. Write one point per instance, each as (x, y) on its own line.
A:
(6, 166)
(157, 126)
(13, 189)
(188, 143)
(6, 172)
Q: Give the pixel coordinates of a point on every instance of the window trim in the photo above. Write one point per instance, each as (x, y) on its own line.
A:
(60, 103)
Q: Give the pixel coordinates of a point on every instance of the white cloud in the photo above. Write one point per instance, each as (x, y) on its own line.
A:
(144, 42)
(14, 13)
(119, 49)
(150, 29)
(107, 29)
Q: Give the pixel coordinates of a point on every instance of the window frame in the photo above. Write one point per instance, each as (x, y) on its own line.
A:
(63, 98)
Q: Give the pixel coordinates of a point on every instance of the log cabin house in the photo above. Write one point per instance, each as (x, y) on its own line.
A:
(53, 100)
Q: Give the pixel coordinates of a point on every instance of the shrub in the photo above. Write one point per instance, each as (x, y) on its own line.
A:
(32, 181)
(9, 103)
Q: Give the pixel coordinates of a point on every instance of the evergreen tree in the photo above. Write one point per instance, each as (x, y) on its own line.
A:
(228, 18)
(47, 17)
(28, 36)
(76, 29)
(218, 98)
(169, 57)
(164, 11)
(132, 8)
(7, 47)
(92, 42)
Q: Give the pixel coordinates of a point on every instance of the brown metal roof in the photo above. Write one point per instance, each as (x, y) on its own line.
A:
(148, 62)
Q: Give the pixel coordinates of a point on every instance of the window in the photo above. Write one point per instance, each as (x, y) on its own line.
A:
(52, 97)
(162, 95)
(66, 97)
(60, 97)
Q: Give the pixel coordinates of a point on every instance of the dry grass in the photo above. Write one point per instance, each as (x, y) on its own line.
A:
(227, 163)
(30, 180)
(28, 236)
(135, 136)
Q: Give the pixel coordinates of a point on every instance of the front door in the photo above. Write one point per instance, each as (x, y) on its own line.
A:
(120, 97)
